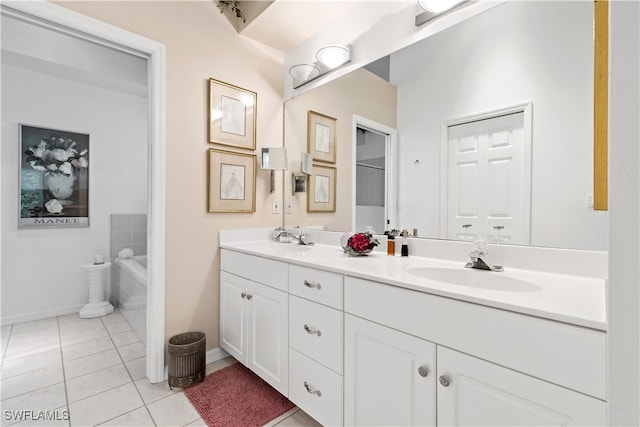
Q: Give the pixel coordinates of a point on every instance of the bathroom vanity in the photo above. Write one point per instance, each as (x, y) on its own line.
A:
(382, 340)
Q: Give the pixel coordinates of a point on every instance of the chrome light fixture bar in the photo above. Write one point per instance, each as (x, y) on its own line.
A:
(435, 8)
(328, 58)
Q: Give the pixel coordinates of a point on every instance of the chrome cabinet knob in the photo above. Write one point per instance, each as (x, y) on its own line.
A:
(423, 371)
(312, 330)
(249, 296)
(312, 390)
(310, 284)
(243, 295)
(444, 380)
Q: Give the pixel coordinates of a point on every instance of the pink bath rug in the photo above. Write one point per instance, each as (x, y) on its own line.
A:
(235, 396)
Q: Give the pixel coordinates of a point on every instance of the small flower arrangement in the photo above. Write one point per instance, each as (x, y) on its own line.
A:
(57, 155)
(361, 244)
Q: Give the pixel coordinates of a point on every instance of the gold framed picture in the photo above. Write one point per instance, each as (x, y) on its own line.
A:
(232, 182)
(321, 192)
(321, 137)
(232, 115)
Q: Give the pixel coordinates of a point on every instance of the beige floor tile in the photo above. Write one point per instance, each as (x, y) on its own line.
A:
(281, 418)
(105, 406)
(136, 418)
(175, 410)
(299, 419)
(80, 325)
(21, 328)
(125, 338)
(153, 392)
(97, 382)
(86, 348)
(198, 423)
(132, 351)
(73, 317)
(117, 327)
(31, 348)
(115, 317)
(19, 338)
(22, 365)
(220, 364)
(5, 332)
(88, 364)
(69, 339)
(137, 368)
(31, 381)
(43, 399)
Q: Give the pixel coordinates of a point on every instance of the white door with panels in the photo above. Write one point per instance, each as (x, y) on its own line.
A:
(488, 168)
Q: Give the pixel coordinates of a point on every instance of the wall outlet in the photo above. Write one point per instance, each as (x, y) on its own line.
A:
(288, 207)
(275, 206)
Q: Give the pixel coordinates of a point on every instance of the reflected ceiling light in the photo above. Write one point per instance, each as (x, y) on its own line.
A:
(304, 72)
(435, 8)
(333, 56)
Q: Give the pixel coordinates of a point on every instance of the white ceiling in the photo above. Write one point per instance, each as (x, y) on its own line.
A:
(287, 23)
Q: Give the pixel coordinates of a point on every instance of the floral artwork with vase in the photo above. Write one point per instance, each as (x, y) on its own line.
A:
(54, 178)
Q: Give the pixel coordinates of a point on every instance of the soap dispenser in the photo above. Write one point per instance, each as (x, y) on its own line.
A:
(404, 250)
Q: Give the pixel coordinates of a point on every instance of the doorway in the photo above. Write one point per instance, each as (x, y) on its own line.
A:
(374, 172)
(83, 27)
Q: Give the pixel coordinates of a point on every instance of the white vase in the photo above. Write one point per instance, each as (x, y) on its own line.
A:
(60, 186)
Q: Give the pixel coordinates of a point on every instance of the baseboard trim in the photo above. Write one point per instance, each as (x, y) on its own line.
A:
(212, 355)
(38, 315)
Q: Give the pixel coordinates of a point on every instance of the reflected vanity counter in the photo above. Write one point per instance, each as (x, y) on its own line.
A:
(530, 332)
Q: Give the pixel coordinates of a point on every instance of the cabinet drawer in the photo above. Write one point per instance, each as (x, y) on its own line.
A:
(316, 331)
(556, 352)
(315, 389)
(262, 270)
(317, 285)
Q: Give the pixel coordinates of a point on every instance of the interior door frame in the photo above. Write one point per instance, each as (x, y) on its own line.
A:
(391, 153)
(93, 30)
(524, 107)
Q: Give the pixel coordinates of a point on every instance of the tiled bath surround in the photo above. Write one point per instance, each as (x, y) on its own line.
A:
(129, 231)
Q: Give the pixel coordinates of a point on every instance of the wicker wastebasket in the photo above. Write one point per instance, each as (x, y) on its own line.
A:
(187, 359)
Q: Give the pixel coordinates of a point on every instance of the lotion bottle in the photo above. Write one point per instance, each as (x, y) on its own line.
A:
(404, 251)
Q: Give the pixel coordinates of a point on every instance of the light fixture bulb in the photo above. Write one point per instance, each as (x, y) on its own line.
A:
(333, 56)
(437, 6)
(304, 72)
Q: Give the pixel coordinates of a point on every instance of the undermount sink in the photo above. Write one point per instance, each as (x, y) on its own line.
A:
(475, 278)
(293, 247)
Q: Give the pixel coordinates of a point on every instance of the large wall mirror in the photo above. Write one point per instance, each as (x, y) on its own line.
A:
(494, 132)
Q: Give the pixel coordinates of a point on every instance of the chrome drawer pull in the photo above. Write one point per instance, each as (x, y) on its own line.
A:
(309, 284)
(243, 295)
(312, 331)
(249, 296)
(311, 390)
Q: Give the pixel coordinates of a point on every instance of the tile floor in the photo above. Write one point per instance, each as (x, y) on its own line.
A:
(88, 372)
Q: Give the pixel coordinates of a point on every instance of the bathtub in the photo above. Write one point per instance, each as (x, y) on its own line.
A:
(132, 292)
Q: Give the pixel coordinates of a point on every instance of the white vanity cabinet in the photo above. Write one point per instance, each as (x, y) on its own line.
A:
(473, 392)
(389, 376)
(254, 318)
(316, 326)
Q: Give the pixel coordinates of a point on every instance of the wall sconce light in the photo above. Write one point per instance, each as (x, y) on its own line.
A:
(435, 8)
(298, 184)
(273, 159)
(328, 58)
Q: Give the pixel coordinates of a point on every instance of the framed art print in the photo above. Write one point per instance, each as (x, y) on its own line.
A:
(54, 178)
(232, 182)
(321, 192)
(232, 115)
(321, 137)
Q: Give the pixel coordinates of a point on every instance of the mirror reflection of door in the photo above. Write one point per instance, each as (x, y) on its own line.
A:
(371, 179)
(489, 192)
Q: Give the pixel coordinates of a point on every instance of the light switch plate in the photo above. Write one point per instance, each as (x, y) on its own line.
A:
(288, 207)
(275, 206)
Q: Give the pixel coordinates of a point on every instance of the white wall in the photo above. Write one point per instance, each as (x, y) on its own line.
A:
(41, 273)
(473, 68)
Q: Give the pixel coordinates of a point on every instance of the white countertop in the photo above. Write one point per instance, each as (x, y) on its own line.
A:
(571, 299)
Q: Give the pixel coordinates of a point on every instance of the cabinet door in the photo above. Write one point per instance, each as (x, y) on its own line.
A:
(479, 393)
(389, 376)
(268, 335)
(233, 316)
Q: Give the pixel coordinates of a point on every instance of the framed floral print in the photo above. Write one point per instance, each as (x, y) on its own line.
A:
(232, 115)
(321, 137)
(232, 182)
(321, 194)
(54, 178)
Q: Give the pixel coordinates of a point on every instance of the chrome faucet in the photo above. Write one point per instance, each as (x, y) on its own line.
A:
(282, 235)
(480, 257)
(302, 238)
